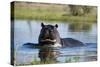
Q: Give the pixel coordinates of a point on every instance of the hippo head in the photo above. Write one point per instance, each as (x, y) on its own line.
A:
(48, 34)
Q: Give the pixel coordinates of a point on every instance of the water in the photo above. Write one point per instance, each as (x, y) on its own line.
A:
(28, 31)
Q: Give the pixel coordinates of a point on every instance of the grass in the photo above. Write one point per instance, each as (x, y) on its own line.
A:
(48, 12)
(67, 60)
(72, 59)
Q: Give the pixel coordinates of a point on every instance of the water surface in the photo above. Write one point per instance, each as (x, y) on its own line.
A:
(29, 30)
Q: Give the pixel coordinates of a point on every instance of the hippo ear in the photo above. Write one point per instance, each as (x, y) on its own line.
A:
(56, 25)
(42, 25)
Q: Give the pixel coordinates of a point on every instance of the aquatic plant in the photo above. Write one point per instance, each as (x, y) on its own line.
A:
(72, 59)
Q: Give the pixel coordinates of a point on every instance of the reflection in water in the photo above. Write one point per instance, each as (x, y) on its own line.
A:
(30, 27)
(80, 27)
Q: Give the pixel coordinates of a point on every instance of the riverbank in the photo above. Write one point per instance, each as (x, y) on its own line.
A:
(50, 12)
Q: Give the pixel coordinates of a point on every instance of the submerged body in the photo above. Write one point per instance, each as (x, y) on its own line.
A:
(49, 42)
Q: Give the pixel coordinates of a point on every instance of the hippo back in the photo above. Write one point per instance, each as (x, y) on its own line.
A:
(70, 42)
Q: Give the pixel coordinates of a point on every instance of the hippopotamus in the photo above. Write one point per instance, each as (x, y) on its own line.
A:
(49, 42)
(50, 36)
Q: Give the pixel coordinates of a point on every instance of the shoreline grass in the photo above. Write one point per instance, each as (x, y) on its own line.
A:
(49, 12)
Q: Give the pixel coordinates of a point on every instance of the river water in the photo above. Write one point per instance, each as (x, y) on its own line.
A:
(29, 30)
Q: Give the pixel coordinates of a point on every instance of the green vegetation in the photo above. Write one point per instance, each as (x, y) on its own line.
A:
(56, 12)
(67, 60)
(35, 61)
(72, 59)
(79, 10)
